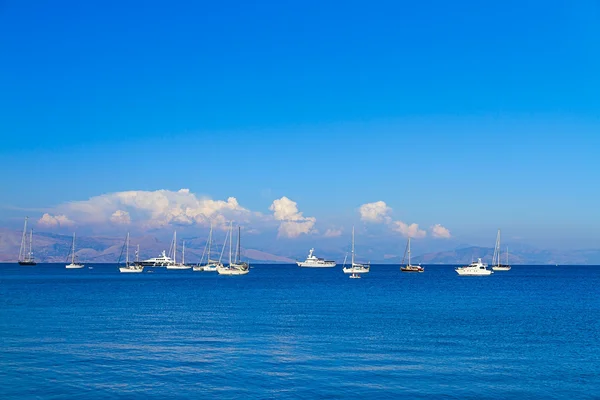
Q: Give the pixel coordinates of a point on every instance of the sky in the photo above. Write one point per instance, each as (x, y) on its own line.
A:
(460, 117)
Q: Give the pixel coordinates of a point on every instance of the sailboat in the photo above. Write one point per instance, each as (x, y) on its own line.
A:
(26, 257)
(355, 268)
(235, 267)
(130, 267)
(408, 267)
(496, 265)
(73, 264)
(211, 265)
(175, 265)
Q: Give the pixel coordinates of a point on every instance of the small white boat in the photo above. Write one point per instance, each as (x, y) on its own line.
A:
(211, 265)
(496, 264)
(354, 276)
(129, 268)
(235, 267)
(175, 265)
(474, 269)
(355, 268)
(73, 265)
(315, 262)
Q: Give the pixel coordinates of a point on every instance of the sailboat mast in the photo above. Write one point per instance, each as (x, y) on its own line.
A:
(230, 240)
(409, 250)
(353, 246)
(127, 251)
(137, 253)
(183, 254)
(23, 240)
(31, 244)
(238, 256)
(73, 250)
(175, 247)
(209, 243)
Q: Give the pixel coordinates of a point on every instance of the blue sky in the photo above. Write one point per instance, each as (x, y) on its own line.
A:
(467, 115)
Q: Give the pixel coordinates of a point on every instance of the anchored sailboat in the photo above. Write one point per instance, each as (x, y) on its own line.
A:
(355, 268)
(409, 267)
(26, 257)
(175, 265)
(496, 265)
(235, 267)
(211, 265)
(73, 264)
(130, 267)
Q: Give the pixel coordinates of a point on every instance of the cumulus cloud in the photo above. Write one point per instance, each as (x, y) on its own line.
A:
(156, 209)
(333, 233)
(438, 231)
(121, 217)
(375, 212)
(406, 230)
(55, 220)
(293, 223)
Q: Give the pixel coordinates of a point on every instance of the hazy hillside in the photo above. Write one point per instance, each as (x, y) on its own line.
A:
(49, 247)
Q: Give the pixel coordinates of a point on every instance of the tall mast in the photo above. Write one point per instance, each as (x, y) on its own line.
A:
(238, 255)
(230, 240)
(31, 245)
(209, 242)
(137, 253)
(409, 250)
(73, 250)
(353, 246)
(183, 254)
(175, 247)
(127, 251)
(23, 240)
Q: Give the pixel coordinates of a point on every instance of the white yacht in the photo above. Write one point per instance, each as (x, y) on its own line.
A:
(314, 262)
(355, 268)
(130, 267)
(73, 265)
(161, 261)
(474, 269)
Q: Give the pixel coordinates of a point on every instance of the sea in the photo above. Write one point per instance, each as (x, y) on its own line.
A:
(284, 332)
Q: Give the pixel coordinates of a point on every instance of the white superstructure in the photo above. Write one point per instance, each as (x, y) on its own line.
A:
(313, 261)
(474, 269)
(161, 261)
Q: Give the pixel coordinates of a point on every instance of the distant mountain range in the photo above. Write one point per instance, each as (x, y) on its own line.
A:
(50, 247)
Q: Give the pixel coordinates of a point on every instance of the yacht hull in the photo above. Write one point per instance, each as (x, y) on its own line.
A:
(179, 266)
(74, 266)
(227, 271)
(501, 268)
(355, 270)
(27, 263)
(310, 265)
(125, 270)
(412, 269)
(474, 273)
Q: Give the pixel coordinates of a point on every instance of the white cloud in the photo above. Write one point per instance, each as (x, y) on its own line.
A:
(155, 209)
(375, 212)
(293, 222)
(333, 233)
(406, 230)
(438, 231)
(121, 217)
(55, 220)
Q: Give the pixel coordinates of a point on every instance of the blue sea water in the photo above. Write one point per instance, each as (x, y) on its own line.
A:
(288, 332)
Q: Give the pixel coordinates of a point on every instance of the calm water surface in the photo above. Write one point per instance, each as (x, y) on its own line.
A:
(288, 332)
